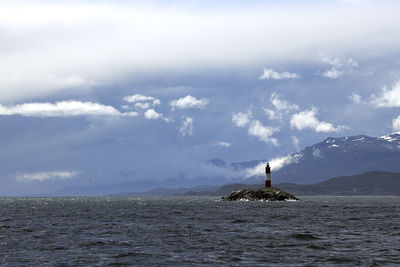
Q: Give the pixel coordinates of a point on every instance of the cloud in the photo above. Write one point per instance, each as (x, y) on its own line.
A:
(43, 176)
(142, 105)
(138, 98)
(270, 74)
(272, 115)
(387, 98)
(396, 124)
(142, 101)
(151, 114)
(263, 132)
(337, 67)
(281, 108)
(281, 104)
(64, 40)
(296, 142)
(224, 144)
(317, 153)
(187, 127)
(189, 102)
(307, 120)
(332, 73)
(255, 127)
(355, 98)
(62, 109)
(275, 163)
(241, 119)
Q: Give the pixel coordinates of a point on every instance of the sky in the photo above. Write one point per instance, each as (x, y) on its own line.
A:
(105, 96)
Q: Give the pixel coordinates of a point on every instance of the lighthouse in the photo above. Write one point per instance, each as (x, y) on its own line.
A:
(267, 175)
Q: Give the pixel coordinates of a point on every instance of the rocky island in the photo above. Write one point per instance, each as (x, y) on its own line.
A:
(263, 194)
(267, 193)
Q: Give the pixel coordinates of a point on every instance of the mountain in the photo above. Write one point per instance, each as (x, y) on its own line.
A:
(333, 157)
(369, 183)
(163, 191)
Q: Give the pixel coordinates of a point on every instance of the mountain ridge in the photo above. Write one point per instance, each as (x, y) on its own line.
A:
(334, 156)
(368, 183)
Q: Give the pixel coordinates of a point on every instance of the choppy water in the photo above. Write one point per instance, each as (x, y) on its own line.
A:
(199, 231)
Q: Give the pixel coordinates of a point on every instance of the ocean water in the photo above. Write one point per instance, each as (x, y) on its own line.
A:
(182, 231)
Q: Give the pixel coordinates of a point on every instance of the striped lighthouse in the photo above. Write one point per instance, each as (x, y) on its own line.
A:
(267, 175)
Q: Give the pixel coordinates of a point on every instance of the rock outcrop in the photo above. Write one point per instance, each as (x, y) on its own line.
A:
(263, 194)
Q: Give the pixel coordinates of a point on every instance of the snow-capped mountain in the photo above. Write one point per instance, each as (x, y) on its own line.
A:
(333, 157)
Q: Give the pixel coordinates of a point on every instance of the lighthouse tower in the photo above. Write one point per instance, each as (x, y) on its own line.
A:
(267, 175)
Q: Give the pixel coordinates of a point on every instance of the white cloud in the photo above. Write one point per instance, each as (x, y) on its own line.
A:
(317, 153)
(271, 74)
(189, 102)
(151, 114)
(281, 108)
(388, 98)
(396, 124)
(224, 144)
(43, 176)
(296, 142)
(355, 98)
(281, 104)
(272, 115)
(62, 109)
(69, 39)
(187, 127)
(263, 132)
(138, 98)
(337, 67)
(332, 73)
(142, 101)
(142, 105)
(241, 119)
(275, 163)
(256, 128)
(308, 120)
(352, 63)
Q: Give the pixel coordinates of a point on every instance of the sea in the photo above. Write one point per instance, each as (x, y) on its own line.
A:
(199, 231)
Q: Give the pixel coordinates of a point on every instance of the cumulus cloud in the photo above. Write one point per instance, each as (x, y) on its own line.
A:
(189, 102)
(138, 98)
(307, 120)
(187, 127)
(281, 104)
(388, 98)
(275, 163)
(355, 98)
(263, 132)
(224, 144)
(332, 73)
(281, 108)
(396, 124)
(271, 74)
(272, 115)
(43, 176)
(241, 119)
(255, 127)
(151, 114)
(338, 68)
(142, 105)
(62, 109)
(142, 101)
